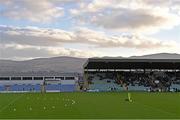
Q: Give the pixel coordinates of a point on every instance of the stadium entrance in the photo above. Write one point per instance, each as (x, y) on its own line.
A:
(132, 74)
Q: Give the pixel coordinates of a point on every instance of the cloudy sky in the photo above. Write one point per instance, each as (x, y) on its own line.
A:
(87, 28)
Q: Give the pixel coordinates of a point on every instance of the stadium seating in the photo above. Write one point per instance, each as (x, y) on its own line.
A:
(2, 88)
(16, 88)
(52, 87)
(60, 87)
(37, 87)
(67, 88)
(103, 85)
(175, 86)
(138, 88)
(134, 81)
(23, 87)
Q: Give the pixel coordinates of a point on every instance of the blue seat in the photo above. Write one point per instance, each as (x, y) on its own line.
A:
(2, 88)
(37, 87)
(67, 88)
(28, 87)
(175, 86)
(15, 88)
(137, 88)
(53, 87)
(21, 87)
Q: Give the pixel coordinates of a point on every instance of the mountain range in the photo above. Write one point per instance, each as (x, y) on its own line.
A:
(63, 64)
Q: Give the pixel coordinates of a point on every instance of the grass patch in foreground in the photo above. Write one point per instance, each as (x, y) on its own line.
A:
(90, 105)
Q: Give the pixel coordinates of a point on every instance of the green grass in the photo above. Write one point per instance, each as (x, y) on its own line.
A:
(90, 105)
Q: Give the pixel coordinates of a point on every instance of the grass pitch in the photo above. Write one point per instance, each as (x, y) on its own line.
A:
(90, 105)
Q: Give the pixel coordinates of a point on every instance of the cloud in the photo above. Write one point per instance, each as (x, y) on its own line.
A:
(100, 39)
(57, 37)
(147, 16)
(32, 42)
(139, 20)
(155, 3)
(32, 10)
(34, 35)
(122, 15)
(124, 24)
(20, 51)
(159, 3)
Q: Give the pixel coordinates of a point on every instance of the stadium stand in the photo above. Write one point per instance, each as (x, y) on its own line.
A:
(52, 82)
(68, 88)
(2, 88)
(132, 74)
(53, 87)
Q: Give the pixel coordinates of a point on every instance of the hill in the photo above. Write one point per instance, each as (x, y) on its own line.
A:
(55, 64)
(63, 64)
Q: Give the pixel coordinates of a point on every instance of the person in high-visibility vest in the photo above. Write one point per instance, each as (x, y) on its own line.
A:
(129, 97)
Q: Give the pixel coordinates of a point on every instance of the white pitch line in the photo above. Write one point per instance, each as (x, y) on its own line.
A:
(14, 100)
